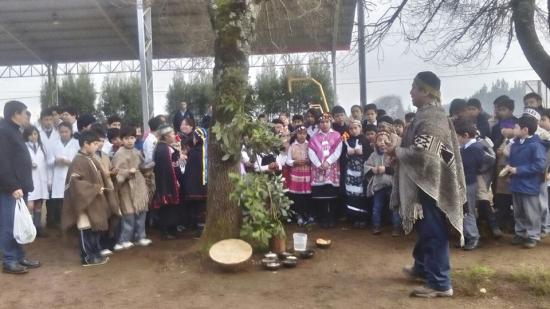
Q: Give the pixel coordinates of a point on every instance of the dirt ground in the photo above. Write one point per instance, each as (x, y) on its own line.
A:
(359, 271)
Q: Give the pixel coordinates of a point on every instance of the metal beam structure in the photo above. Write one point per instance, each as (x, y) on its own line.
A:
(336, 22)
(145, 32)
(188, 65)
(362, 54)
(113, 22)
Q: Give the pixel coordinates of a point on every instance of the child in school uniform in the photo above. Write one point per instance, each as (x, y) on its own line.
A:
(40, 177)
(299, 184)
(526, 165)
(378, 168)
(85, 203)
(132, 192)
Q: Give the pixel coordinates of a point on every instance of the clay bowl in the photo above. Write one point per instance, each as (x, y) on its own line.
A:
(323, 243)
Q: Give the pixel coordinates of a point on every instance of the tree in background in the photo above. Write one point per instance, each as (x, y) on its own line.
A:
(500, 87)
(78, 92)
(121, 96)
(458, 32)
(271, 88)
(269, 91)
(392, 105)
(198, 93)
(47, 92)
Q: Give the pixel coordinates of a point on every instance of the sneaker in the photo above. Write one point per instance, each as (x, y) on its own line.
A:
(497, 233)
(300, 222)
(517, 240)
(127, 245)
(471, 245)
(15, 269)
(412, 274)
(543, 235)
(530, 243)
(427, 292)
(376, 230)
(106, 252)
(144, 242)
(310, 221)
(95, 261)
(118, 247)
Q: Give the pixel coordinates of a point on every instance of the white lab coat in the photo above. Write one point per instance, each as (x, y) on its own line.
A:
(48, 143)
(40, 177)
(68, 152)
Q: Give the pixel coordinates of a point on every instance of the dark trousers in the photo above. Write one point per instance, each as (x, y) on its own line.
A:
(431, 253)
(13, 251)
(53, 212)
(300, 205)
(193, 213)
(169, 217)
(504, 213)
(90, 247)
(326, 213)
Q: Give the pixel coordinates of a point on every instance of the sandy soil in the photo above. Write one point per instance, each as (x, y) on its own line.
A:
(359, 271)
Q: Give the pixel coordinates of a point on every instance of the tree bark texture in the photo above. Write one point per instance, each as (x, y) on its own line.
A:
(233, 25)
(523, 15)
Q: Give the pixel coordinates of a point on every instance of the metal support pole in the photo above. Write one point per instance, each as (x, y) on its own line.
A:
(333, 59)
(145, 32)
(362, 55)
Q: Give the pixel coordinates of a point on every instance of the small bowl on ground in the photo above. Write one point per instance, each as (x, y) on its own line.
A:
(290, 263)
(323, 243)
(307, 254)
(286, 254)
(273, 265)
(269, 260)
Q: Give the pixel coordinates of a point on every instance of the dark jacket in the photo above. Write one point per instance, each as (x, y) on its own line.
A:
(529, 159)
(482, 124)
(472, 160)
(178, 118)
(15, 160)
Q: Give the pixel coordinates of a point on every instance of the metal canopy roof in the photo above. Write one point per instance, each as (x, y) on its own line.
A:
(59, 31)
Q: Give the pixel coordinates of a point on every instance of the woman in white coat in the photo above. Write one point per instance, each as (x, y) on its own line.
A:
(39, 176)
(63, 153)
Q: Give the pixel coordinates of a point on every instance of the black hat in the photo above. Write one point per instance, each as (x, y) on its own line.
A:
(429, 82)
(84, 121)
(430, 79)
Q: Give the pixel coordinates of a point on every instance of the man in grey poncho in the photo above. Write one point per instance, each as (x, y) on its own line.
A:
(429, 187)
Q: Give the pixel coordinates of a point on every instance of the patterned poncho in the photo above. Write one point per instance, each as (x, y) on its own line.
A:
(429, 160)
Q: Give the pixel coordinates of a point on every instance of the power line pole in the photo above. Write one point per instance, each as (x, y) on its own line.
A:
(362, 55)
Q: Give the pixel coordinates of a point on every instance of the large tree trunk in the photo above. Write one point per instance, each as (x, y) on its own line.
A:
(233, 25)
(523, 15)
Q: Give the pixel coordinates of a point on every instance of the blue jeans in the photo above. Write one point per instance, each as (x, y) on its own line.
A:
(381, 199)
(431, 253)
(13, 251)
(132, 227)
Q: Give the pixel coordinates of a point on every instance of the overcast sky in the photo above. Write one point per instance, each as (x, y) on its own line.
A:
(391, 75)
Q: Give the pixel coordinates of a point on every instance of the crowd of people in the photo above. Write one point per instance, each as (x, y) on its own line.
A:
(369, 169)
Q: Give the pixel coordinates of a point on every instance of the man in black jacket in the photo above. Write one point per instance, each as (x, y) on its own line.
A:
(183, 113)
(15, 184)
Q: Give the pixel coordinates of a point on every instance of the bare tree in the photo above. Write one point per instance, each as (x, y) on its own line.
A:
(466, 31)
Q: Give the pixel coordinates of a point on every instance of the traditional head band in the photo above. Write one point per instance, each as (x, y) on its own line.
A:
(325, 116)
(429, 89)
(532, 113)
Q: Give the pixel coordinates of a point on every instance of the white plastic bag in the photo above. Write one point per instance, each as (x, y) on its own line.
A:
(24, 230)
